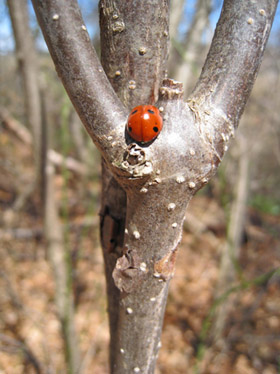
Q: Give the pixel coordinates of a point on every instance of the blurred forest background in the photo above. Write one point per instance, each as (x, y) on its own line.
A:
(223, 312)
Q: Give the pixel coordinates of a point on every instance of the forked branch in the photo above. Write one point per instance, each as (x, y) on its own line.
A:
(80, 70)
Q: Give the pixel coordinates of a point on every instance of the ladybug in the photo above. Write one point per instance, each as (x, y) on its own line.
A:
(144, 123)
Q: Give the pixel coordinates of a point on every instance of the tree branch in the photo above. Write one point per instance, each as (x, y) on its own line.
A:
(12, 346)
(234, 58)
(79, 68)
(134, 53)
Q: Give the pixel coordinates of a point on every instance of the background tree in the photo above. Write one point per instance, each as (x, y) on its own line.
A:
(27, 64)
(184, 55)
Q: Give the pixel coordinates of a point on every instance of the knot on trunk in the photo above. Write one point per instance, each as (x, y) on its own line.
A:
(135, 161)
(164, 268)
(171, 90)
(129, 272)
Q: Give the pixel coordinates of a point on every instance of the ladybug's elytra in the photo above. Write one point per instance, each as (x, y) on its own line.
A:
(144, 123)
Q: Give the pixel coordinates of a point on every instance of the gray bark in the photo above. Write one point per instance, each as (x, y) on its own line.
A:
(146, 189)
(129, 67)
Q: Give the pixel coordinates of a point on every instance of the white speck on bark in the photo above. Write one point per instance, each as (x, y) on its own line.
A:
(171, 207)
(118, 26)
(136, 234)
(143, 266)
(144, 190)
(180, 179)
(132, 86)
(192, 152)
(158, 180)
(142, 51)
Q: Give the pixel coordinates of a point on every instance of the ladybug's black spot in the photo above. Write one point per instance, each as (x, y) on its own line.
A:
(155, 129)
(151, 111)
(129, 128)
(135, 111)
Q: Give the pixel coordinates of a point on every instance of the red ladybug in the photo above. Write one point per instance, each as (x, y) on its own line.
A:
(144, 123)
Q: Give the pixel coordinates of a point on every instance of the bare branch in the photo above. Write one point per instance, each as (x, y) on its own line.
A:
(134, 37)
(80, 70)
(15, 127)
(14, 346)
(22, 133)
(235, 56)
(69, 162)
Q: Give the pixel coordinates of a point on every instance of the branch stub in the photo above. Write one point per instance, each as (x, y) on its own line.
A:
(171, 90)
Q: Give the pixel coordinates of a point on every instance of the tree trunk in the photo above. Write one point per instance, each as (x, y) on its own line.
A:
(134, 66)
